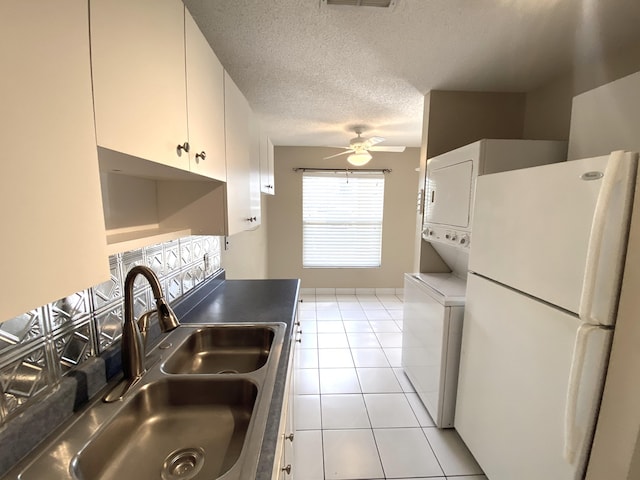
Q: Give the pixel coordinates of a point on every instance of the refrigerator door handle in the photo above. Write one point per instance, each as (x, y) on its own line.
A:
(612, 175)
(571, 442)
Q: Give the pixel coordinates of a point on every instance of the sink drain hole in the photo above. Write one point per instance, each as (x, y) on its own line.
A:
(183, 464)
(235, 372)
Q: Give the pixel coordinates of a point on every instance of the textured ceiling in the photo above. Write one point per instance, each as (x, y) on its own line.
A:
(313, 72)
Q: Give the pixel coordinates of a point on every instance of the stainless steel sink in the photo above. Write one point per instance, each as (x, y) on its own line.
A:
(186, 418)
(223, 349)
(173, 429)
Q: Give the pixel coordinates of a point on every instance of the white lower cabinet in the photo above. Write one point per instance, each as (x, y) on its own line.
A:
(284, 465)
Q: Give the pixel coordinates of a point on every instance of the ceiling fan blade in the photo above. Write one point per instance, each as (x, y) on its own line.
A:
(338, 154)
(373, 141)
(388, 148)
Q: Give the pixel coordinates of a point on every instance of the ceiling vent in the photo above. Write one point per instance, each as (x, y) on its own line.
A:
(360, 3)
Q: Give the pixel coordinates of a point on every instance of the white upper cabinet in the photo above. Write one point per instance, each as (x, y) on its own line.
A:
(53, 241)
(158, 86)
(267, 184)
(255, 199)
(205, 104)
(138, 61)
(239, 132)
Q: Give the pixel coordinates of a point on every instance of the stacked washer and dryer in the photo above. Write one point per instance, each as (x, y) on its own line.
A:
(434, 302)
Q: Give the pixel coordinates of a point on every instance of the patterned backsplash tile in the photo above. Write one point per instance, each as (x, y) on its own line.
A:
(39, 347)
(22, 329)
(110, 290)
(22, 378)
(69, 310)
(74, 347)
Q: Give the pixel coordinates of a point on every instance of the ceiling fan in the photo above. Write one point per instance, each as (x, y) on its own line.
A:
(360, 147)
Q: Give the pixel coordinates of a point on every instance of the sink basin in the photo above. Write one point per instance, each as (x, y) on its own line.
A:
(172, 429)
(174, 424)
(222, 349)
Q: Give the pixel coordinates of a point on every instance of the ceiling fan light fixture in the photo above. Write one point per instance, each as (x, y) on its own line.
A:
(359, 159)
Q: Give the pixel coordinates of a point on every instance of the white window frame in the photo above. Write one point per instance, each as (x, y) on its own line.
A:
(342, 219)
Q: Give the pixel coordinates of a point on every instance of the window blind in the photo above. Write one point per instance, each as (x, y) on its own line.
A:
(342, 219)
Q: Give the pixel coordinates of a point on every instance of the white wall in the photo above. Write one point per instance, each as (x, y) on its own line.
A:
(285, 219)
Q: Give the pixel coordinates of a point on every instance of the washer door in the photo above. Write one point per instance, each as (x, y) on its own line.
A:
(424, 340)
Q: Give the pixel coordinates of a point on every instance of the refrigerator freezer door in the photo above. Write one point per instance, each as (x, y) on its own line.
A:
(513, 386)
(431, 348)
(532, 229)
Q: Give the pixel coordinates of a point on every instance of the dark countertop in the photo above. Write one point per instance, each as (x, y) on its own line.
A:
(257, 301)
(246, 301)
(216, 300)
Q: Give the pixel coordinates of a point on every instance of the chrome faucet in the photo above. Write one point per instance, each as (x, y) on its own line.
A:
(134, 334)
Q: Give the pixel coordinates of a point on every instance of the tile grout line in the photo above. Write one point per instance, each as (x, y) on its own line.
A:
(404, 392)
(324, 466)
(362, 393)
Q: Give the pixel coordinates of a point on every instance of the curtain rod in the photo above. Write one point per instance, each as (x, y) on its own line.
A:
(348, 170)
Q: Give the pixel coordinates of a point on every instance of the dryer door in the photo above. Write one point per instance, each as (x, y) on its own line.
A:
(449, 192)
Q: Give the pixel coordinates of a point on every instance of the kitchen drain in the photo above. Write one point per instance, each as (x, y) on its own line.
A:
(235, 372)
(183, 464)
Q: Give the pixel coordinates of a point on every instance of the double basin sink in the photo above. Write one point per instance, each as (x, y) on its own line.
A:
(199, 412)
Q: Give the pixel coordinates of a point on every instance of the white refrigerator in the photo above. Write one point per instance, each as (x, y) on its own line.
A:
(546, 267)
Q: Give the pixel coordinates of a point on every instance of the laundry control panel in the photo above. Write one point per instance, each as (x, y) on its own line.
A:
(447, 235)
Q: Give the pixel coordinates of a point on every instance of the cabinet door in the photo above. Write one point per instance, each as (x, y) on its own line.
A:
(138, 65)
(288, 470)
(255, 197)
(53, 241)
(205, 104)
(237, 114)
(266, 166)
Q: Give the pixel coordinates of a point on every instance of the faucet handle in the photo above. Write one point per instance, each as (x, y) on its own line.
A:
(143, 325)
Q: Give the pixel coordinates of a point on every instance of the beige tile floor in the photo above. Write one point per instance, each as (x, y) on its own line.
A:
(356, 414)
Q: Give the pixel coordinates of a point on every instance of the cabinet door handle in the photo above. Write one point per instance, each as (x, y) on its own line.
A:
(202, 155)
(289, 437)
(287, 469)
(184, 146)
(252, 219)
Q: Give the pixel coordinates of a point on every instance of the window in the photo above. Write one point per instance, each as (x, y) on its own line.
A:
(342, 219)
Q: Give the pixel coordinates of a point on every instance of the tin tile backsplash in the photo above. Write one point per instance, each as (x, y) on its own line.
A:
(39, 347)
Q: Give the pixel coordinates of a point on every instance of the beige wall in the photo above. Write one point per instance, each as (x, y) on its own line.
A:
(246, 256)
(460, 118)
(285, 219)
(548, 108)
